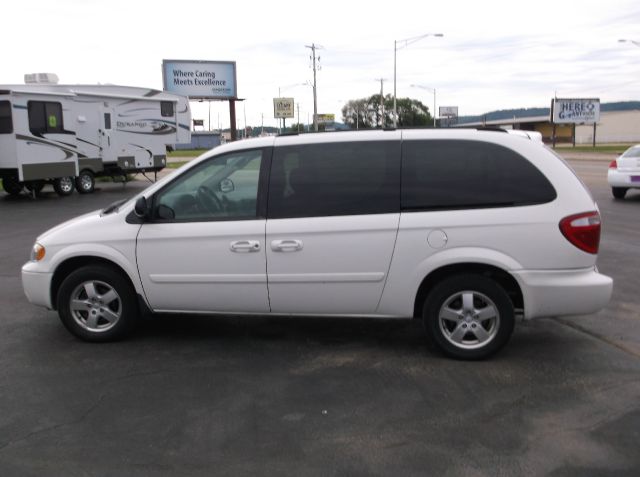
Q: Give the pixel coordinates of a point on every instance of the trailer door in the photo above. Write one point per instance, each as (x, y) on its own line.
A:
(108, 147)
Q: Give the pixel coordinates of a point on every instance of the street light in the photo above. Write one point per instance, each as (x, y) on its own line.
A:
(407, 42)
(434, 99)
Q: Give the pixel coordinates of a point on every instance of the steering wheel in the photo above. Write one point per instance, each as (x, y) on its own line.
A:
(208, 199)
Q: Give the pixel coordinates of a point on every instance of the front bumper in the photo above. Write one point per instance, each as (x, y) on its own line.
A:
(563, 292)
(37, 286)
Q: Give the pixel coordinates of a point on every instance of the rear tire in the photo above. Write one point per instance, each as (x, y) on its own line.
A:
(619, 192)
(468, 317)
(11, 185)
(97, 303)
(85, 182)
(63, 186)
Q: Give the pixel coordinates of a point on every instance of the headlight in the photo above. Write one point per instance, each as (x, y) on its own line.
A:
(37, 252)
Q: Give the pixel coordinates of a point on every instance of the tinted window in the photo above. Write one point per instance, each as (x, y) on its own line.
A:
(461, 174)
(335, 179)
(222, 188)
(6, 125)
(45, 117)
(166, 108)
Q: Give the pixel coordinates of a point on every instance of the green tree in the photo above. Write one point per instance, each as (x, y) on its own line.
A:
(366, 113)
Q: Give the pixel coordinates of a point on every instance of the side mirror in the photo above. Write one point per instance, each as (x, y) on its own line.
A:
(141, 209)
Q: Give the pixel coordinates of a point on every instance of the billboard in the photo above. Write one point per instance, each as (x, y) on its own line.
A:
(200, 79)
(575, 110)
(448, 111)
(283, 107)
(326, 118)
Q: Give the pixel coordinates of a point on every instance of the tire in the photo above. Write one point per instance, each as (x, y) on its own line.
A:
(97, 303)
(63, 186)
(11, 185)
(468, 317)
(85, 182)
(619, 192)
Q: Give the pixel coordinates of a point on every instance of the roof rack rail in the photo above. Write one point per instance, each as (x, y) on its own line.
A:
(491, 128)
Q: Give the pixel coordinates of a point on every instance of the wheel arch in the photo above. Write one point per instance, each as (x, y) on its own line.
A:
(499, 275)
(73, 263)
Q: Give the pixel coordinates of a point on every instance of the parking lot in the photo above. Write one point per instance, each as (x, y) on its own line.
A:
(309, 396)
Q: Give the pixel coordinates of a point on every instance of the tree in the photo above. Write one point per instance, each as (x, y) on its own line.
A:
(365, 113)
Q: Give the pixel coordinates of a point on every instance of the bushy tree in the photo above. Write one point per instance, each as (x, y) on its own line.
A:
(366, 113)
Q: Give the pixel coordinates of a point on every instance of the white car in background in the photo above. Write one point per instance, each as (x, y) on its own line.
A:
(624, 172)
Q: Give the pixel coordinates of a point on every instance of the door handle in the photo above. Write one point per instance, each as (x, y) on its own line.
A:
(245, 246)
(286, 245)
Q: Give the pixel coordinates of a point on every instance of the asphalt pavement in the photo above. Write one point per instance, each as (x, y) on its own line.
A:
(233, 396)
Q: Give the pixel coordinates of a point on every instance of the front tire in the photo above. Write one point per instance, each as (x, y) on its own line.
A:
(468, 317)
(85, 182)
(619, 192)
(63, 186)
(11, 185)
(98, 304)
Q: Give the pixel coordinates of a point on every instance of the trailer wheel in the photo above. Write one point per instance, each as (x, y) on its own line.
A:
(11, 185)
(63, 186)
(85, 182)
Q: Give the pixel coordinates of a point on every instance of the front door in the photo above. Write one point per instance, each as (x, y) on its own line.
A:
(204, 248)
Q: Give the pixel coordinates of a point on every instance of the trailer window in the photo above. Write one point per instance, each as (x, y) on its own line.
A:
(6, 124)
(166, 108)
(45, 117)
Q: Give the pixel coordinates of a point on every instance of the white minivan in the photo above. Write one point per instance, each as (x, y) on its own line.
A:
(464, 229)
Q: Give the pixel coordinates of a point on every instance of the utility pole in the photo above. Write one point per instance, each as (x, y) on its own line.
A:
(313, 48)
(382, 80)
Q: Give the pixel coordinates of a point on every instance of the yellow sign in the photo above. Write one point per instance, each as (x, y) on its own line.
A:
(326, 118)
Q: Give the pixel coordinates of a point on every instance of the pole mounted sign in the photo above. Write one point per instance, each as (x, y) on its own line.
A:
(575, 110)
(200, 79)
(448, 111)
(283, 108)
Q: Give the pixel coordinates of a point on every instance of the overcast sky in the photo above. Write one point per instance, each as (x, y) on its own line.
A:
(494, 54)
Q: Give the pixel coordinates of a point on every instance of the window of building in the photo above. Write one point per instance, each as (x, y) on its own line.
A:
(45, 117)
(335, 179)
(444, 174)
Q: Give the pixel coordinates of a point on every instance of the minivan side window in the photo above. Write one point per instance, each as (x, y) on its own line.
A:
(221, 188)
(6, 124)
(450, 174)
(332, 179)
(45, 117)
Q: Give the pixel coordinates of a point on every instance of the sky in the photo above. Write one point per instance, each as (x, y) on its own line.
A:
(493, 54)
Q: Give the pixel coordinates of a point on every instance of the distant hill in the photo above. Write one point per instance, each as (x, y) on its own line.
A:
(531, 112)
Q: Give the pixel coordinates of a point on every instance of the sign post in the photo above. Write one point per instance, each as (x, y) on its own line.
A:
(283, 108)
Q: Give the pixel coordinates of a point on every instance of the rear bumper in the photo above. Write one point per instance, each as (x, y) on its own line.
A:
(37, 287)
(562, 292)
(617, 178)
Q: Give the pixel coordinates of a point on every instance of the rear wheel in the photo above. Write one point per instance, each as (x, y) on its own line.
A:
(11, 185)
(85, 182)
(468, 317)
(619, 192)
(63, 185)
(97, 303)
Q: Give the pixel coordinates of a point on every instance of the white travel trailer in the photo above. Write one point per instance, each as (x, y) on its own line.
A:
(68, 134)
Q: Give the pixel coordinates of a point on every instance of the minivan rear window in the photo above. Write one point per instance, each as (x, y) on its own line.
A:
(454, 174)
(329, 179)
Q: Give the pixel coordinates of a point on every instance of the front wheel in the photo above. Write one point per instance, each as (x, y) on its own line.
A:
(96, 303)
(468, 317)
(619, 192)
(63, 186)
(11, 185)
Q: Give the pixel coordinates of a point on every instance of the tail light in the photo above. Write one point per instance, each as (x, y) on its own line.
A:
(613, 164)
(582, 230)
